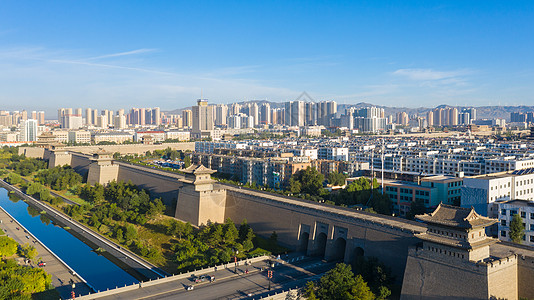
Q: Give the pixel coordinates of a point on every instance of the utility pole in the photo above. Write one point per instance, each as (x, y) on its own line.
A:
(382, 166)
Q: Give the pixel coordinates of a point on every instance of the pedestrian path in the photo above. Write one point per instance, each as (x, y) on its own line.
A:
(63, 278)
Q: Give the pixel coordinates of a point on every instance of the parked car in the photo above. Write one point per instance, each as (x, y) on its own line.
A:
(189, 287)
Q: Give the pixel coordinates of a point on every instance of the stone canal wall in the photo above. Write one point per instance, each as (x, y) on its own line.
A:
(132, 263)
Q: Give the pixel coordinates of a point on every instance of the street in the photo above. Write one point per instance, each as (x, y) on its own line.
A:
(229, 285)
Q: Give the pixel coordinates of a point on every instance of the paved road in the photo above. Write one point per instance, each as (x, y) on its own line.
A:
(61, 274)
(231, 285)
(125, 257)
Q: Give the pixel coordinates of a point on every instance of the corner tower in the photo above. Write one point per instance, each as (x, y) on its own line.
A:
(453, 259)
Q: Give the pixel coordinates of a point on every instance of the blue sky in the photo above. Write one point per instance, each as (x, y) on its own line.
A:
(113, 54)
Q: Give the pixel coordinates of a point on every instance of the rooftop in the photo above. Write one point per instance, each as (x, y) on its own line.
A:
(198, 169)
(518, 202)
(454, 216)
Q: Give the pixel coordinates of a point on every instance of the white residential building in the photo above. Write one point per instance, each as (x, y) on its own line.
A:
(483, 190)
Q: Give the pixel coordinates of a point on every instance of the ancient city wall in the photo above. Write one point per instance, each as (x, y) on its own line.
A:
(294, 224)
(502, 278)
(525, 274)
(81, 163)
(431, 278)
(132, 148)
(33, 152)
(159, 186)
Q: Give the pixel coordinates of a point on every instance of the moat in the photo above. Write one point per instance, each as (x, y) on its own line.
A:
(99, 271)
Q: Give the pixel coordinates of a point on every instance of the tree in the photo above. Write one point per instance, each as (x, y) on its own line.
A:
(310, 180)
(340, 283)
(8, 246)
(294, 185)
(360, 290)
(417, 208)
(336, 179)
(28, 251)
(517, 229)
(13, 178)
(119, 235)
(230, 232)
(187, 161)
(131, 233)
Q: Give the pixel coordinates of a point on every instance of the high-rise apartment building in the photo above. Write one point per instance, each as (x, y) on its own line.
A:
(370, 119)
(453, 116)
(40, 117)
(235, 109)
(69, 120)
(28, 130)
(89, 116)
(402, 118)
(295, 113)
(202, 116)
(265, 114)
(254, 112)
(156, 116)
(187, 118)
(221, 114)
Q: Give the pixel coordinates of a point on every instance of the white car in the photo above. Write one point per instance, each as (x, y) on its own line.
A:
(189, 288)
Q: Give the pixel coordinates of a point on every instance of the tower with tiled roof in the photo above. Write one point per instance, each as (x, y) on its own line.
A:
(454, 259)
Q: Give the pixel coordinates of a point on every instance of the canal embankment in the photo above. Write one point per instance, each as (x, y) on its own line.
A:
(64, 278)
(130, 262)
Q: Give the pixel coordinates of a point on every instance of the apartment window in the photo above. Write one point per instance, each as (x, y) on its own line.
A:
(523, 214)
(532, 215)
(503, 233)
(532, 238)
(503, 212)
(503, 222)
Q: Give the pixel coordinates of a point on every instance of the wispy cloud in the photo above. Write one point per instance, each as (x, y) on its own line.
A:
(429, 74)
(81, 62)
(71, 77)
(126, 53)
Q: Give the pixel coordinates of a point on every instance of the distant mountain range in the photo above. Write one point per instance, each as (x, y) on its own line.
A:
(483, 112)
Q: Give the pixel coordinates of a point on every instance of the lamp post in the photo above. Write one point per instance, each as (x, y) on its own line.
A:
(235, 261)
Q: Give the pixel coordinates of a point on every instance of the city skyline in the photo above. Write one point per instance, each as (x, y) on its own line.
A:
(141, 55)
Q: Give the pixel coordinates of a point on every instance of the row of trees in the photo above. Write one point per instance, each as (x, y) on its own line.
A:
(126, 196)
(39, 191)
(59, 178)
(209, 245)
(25, 166)
(363, 192)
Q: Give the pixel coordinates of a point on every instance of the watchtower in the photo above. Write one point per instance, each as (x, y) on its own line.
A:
(200, 199)
(454, 259)
(102, 170)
